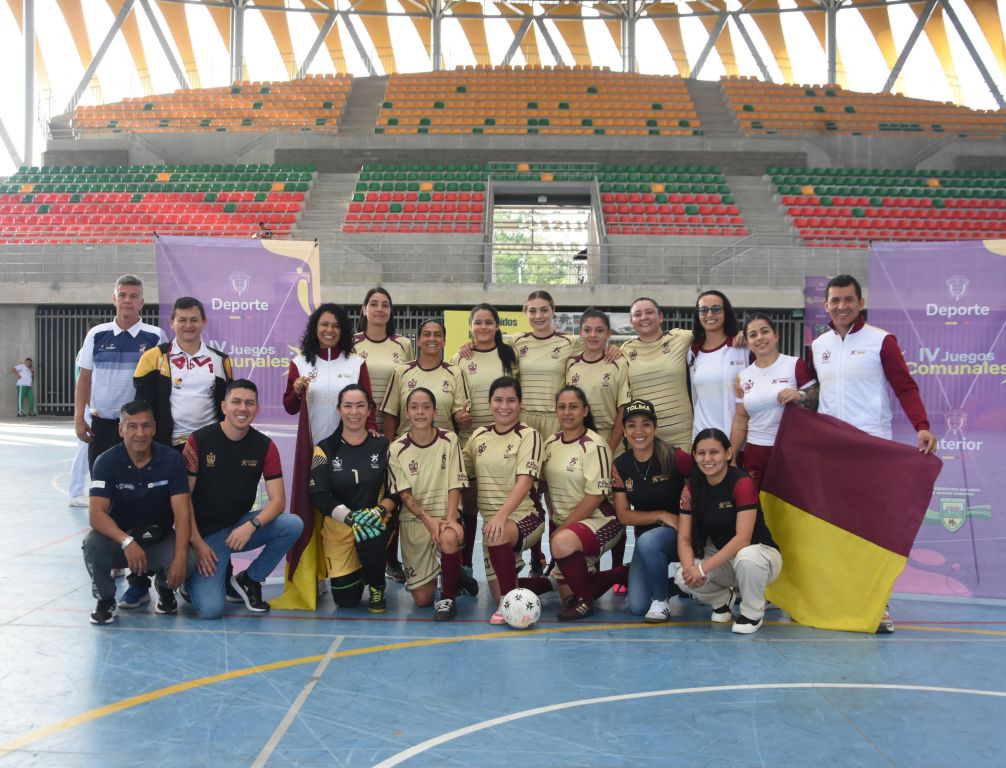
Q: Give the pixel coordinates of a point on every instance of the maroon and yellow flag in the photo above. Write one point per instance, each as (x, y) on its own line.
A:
(844, 508)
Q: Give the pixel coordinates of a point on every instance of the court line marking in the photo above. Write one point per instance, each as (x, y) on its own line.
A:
(121, 705)
(429, 744)
(288, 718)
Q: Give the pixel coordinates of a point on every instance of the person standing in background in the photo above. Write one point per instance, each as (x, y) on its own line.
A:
(25, 377)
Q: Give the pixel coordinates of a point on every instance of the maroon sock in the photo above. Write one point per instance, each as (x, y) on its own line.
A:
(450, 569)
(574, 572)
(501, 556)
(471, 526)
(618, 553)
(605, 580)
(540, 585)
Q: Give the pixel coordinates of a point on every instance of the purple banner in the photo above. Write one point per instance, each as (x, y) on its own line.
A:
(945, 302)
(815, 318)
(258, 295)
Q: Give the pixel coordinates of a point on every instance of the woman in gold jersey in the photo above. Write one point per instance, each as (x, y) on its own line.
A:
(487, 359)
(503, 457)
(383, 350)
(576, 477)
(658, 371)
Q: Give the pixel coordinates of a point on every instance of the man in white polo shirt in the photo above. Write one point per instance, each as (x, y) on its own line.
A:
(857, 364)
(183, 380)
(107, 360)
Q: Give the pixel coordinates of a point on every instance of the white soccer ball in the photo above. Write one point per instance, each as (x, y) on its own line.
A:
(521, 608)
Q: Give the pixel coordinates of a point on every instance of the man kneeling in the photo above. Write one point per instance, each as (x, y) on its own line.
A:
(138, 492)
(226, 461)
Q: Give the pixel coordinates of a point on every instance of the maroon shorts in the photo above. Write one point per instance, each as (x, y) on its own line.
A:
(756, 461)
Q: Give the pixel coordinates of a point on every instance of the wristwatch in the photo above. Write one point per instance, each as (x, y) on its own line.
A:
(126, 542)
(256, 522)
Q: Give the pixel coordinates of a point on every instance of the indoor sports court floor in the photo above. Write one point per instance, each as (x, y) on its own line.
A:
(350, 689)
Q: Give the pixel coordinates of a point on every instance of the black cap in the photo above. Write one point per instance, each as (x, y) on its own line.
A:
(640, 408)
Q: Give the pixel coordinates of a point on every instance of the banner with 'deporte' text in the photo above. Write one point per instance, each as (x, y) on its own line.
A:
(946, 303)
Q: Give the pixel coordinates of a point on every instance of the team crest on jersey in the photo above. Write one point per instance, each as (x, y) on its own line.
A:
(252, 463)
(531, 467)
(606, 380)
(411, 384)
(826, 356)
(473, 367)
(362, 353)
(375, 461)
(523, 351)
(726, 505)
(413, 467)
(443, 460)
(396, 357)
(629, 485)
(482, 448)
(575, 379)
(211, 459)
(781, 381)
(556, 353)
(143, 348)
(509, 451)
(633, 354)
(665, 347)
(748, 385)
(336, 464)
(571, 466)
(446, 386)
(177, 384)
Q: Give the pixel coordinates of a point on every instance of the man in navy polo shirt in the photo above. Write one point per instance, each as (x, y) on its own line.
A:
(139, 491)
(226, 462)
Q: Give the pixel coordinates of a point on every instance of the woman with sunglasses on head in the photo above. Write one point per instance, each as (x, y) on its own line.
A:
(576, 478)
(504, 458)
(379, 344)
(488, 358)
(647, 480)
(763, 389)
(723, 542)
(658, 370)
(347, 487)
(426, 470)
(714, 362)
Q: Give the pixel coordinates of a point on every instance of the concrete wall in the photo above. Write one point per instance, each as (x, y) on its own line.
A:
(16, 343)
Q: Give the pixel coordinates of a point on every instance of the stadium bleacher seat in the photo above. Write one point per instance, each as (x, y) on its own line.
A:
(853, 207)
(314, 103)
(128, 204)
(537, 100)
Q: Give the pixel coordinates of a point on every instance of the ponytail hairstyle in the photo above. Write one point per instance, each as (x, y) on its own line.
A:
(544, 295)
(588, 420)
(362, 325)
(508, 358)
(336, 437)
(593, 313)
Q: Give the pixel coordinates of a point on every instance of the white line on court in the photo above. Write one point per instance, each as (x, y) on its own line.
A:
(418, 749)
(21, 441)
(284, 726)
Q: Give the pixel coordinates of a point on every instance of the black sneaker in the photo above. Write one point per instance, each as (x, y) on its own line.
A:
(445, 610)
(104, 612)
(467, 585)
(745, 626)
(395, 572)
(166, 602)
(232, 595)
(378, 603)
(184, 593)
(250, 592)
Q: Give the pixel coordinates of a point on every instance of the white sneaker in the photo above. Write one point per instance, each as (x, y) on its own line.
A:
(497, 618)
(78, 501)
(658, 612)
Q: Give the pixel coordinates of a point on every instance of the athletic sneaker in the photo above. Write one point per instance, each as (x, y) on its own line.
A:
(497, 618)
(466, 583)
(721, 614)
(620, 589)
(658, 613)
(576, 608)
(538, 565)
(135, 596)
(232, 595)
(104, 612)
(886, 626)
(166, 602)
(378, 603)
(78, 501)
(395, 572)
(745, 626)
(250, 592)
(445, 610)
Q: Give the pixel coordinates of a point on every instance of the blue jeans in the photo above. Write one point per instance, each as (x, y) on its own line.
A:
(648, 573)
(208, 593)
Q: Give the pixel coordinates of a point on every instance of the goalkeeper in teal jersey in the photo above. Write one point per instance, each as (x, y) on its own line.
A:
(348, 487)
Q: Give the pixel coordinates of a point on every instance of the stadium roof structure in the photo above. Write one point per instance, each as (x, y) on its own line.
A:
(699, 38)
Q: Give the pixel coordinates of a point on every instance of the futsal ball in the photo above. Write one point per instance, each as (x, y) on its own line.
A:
(521, 608)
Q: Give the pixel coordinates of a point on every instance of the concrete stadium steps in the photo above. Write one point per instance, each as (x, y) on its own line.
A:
(408, 258)
(754, 196)
(715, 115)
(363, 106)
(322, 217)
